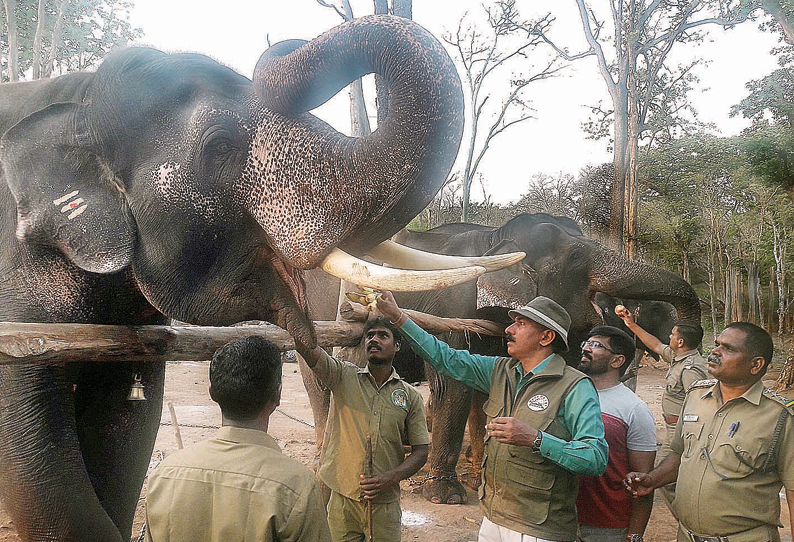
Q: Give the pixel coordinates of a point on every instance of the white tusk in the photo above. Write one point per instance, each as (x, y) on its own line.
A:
(363, 273)
(397, 255)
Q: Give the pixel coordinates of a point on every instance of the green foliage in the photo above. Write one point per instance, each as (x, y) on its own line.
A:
(90, 30)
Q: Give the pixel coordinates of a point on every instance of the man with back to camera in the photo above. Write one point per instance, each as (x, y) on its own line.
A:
(368, 401)
(237, 486)
(687, 366)
(607, 513)
(544, 423)
(733, 447)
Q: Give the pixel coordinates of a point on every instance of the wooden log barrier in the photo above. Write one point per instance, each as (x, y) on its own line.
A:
(35, 343)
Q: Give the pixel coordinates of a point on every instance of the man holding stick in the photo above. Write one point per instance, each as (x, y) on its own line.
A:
(368, 404)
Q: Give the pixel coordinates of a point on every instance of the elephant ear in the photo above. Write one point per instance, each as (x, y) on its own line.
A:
(67, 197)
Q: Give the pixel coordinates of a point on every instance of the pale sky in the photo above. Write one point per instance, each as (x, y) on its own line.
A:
(553, 142)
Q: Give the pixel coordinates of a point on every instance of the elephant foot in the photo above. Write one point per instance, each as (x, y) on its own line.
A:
(473, 479)
(444, 490)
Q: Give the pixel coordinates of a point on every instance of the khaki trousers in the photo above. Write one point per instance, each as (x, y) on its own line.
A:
(347, 519)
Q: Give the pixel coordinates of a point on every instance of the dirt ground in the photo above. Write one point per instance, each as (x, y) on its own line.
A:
(198, 418)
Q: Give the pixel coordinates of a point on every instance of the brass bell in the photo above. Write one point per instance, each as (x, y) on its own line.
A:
(136, 390)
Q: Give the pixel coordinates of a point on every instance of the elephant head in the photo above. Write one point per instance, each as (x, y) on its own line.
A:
(171, 186)
(563, 264)
(215, 190)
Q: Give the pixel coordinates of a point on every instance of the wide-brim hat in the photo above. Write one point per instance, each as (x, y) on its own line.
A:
(547, 313)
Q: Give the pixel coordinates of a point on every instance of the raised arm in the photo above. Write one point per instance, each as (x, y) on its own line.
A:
(471, 369)
(650, 342)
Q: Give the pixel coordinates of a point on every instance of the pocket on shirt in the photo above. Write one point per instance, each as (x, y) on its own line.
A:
(739, 459)
(690, 434)
(533, 493)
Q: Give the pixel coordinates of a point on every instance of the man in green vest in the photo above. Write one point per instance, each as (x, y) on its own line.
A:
(544, 422)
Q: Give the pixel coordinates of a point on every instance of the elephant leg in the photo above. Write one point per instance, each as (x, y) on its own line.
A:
(320, 401)
(45, 487)
(451, 403)
(477, 419)
(117, 435)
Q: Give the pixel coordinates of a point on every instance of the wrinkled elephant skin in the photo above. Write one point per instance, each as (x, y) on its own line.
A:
(169, 186)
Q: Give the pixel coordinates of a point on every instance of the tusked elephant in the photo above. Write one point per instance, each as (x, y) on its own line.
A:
(169, 186)
(560, 263)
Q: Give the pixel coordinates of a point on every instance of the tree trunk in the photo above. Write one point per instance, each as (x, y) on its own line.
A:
(403, 8)
(632, 196)
(778, 12)
(37, 41)
(771, 303)
(786, 378)
(56, 39)
(13, 46)
(359, 121)
(712, 288)
(753, 287)
(621, 167)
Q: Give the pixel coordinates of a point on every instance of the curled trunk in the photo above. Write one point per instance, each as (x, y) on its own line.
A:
(355, 192)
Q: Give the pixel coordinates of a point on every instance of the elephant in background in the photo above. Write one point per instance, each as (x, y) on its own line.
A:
(560, 263)
(169, 186)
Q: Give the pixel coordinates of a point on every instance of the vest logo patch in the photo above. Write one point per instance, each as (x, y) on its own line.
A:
(538, 403)
(399, 398)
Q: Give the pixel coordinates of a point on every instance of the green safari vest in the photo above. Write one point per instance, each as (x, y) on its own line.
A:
(522, 490)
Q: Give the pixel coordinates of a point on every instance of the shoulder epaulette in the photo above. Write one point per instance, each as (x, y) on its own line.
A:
(787, 402)
(706, 383)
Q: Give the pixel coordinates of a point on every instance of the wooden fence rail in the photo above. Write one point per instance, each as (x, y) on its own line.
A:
(26, 343)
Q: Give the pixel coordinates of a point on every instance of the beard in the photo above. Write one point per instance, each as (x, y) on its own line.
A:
(592, 368)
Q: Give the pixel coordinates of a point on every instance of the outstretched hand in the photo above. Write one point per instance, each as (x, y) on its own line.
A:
(638, 484)
(388, 307)
(624, 314)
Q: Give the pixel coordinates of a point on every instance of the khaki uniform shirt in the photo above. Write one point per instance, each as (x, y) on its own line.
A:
(728, 481)
(237, 486)
(393, 415)
(684, 371)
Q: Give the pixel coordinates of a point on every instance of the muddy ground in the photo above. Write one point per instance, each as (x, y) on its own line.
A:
(198, 418)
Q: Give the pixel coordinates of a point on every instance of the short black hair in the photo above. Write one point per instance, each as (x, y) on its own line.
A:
(619, 341)
(690, 331)
(757, 342)
(244, 377)
(382, 322)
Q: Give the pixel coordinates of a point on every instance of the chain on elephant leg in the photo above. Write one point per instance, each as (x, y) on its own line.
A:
(444, 488)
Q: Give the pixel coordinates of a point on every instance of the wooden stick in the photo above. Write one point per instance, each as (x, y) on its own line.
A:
(368, 468)
(175, 425)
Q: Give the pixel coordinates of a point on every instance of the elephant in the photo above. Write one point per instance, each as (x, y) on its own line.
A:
(560, 263)
(167, 186)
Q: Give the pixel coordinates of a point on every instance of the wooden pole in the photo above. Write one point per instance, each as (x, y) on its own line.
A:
(368, 472)
(34, 343)
(175, 424)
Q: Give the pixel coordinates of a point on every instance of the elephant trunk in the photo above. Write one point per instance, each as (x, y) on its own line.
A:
(620, 277)
(342, 191)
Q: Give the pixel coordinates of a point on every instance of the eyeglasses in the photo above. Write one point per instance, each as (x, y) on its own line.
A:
(597, 344)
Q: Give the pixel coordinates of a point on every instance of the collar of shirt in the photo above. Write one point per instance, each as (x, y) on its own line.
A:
(687, 354)
(392, 376)
(539, 368)
(242, 435)
(752, 395)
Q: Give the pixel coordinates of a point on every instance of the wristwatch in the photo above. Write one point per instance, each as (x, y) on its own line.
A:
(538, 440)
(634, 538)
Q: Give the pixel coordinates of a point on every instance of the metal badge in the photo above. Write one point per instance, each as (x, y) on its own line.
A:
(690, 417)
